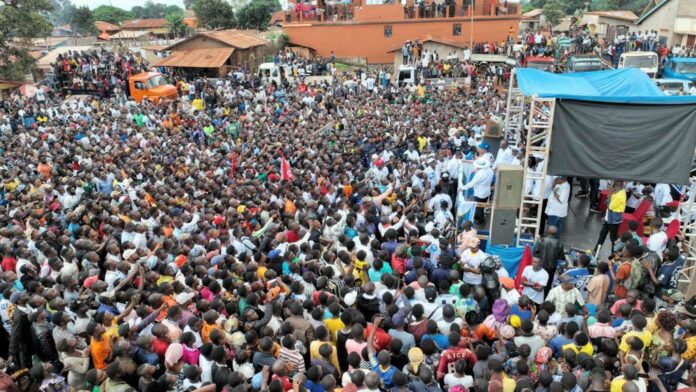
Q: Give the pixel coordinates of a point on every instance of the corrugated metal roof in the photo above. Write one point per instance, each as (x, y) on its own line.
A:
(197, 58)
(623, 15)
(144, 23)
(533, 13)
(236, 38)
(106, 26)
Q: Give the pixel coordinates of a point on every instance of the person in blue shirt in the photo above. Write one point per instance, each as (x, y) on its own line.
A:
(380, 362)
(565, 336)
(522, 309)
(581, 274)
(434, 334)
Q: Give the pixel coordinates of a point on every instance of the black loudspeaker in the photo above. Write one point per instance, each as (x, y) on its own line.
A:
(508, 187)
(503, 226)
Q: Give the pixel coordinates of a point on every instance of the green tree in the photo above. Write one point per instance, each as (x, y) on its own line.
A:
(553, 12)
(21, 19)
(214, 14)
(150, 10)
(257, 14)
(61, 13)
(82, 21)
(111, 14)
(173, 9)
(175, 24)
(188, 4)
(637, 6)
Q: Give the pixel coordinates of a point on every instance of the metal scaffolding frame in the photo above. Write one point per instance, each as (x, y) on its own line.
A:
(514, 113)
(537, 144)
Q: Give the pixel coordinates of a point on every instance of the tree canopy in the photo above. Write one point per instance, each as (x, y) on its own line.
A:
(571, 6)
(151, 10)
(82, 21)
(111, 14)
(21, 19)
(214, 14)
(257, 14)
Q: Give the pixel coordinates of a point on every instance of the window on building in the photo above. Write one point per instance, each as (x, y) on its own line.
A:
(374, 2)
(457, 29)
(387, 31)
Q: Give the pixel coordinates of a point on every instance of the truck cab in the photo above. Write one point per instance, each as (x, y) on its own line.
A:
(680, 68)
(583, 64)
(645, 61)
(407, 75)
(151, 86)
(541, 63)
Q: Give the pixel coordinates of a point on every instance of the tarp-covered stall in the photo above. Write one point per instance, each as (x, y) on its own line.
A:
(616, 124)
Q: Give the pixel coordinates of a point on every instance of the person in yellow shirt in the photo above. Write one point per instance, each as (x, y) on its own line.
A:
(321, 336)
(581, 344)
(614, 215)
(639, 323)
(360, 267)
(334, 323)
(198, 104)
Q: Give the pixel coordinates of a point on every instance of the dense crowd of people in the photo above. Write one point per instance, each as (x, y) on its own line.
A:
(307, 237)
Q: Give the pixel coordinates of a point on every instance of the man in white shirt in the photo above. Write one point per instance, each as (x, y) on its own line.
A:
(481, 183)
(657, 242)
(557, 207)
(505, 155)
(534, 279)
(470, 262)
(663, 195)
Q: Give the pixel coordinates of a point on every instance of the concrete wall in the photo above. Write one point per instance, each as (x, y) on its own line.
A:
(662, 21)
(368, 40)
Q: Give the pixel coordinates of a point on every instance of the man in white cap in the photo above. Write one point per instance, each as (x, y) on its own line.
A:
(481, 183)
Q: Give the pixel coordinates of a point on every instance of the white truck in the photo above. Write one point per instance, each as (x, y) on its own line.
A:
(279, 73)
(647, 62)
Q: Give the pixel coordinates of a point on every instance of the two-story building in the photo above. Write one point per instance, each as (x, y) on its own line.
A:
(369, 29)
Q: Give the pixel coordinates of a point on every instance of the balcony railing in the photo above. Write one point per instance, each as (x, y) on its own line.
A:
(412, 10)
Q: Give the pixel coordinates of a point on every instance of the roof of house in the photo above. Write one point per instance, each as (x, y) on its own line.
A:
(651, 11)
(565, 25)
(429, 38)
(104, 36)
(197, 58)
(191, 22)
(277, 17)
(623, 15)
(234, 38)
(533, 13)
(139, 24)
(105, 26)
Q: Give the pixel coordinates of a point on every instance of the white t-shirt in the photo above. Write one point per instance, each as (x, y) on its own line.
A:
(559, 206)
(657, 242)
(452, 380)
(472, 260)
(541, 277)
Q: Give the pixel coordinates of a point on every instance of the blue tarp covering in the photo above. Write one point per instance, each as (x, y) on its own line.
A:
(626, 85)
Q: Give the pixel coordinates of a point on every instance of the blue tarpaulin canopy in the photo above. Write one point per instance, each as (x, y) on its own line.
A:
(626, 85)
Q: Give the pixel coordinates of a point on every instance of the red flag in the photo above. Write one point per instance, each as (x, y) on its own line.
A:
(233, 163)
(286, 170)
(526, 260)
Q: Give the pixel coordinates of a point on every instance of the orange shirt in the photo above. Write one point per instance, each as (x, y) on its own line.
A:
(482, 331)
(101, 350)
(622, 273)
(207, 329)
(44, 169)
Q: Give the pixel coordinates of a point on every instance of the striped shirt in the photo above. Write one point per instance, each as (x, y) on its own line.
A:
(294, 358)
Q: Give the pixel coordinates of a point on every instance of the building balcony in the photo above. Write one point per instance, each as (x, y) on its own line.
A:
(366, 11)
